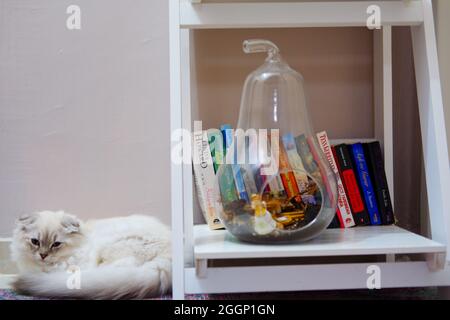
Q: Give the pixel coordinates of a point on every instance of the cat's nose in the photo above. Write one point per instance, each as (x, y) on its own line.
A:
(43, 255)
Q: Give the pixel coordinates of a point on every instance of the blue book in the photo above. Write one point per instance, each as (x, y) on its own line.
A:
(362, 172)
(227, 133)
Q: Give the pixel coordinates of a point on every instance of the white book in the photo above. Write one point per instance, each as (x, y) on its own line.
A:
(343, 207)
(205, 180)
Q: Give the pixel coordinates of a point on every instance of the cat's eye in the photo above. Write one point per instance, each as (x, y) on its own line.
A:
(56, 244)
(35, 241)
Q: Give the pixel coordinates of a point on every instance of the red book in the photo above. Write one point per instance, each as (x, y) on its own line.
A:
(345, 167)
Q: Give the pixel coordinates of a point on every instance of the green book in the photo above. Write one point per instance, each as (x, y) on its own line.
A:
(226, 179)
(215, 140)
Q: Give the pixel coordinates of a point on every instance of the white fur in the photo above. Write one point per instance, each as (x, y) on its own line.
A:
(125, 257)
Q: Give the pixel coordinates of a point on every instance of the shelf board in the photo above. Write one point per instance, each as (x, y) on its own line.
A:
(295, 14)
(372, 240)
(262, 1)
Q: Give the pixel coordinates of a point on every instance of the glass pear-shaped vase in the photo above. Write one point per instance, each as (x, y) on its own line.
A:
(276, 185)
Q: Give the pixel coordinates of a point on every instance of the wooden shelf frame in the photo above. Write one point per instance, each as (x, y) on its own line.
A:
(190, 272)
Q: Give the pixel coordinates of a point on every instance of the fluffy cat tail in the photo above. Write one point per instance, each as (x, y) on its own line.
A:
(105, 282)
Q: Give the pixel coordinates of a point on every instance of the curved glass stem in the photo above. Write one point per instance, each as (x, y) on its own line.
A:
(260, 45)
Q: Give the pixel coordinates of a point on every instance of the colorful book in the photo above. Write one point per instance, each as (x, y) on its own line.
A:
(374, 159)
(264, 181)
(343, 210)
(275, 183)
(322, 174)
(215, 140)
(247, 172)
(257, 176)
(227, 133)
(205, 180)
(345, 167)
(307, 157)
(323, 171)
(226, 179)
(227, 186)
(365, 183)
(286, 174)
(296, 162)
(249, 181)
(270, 183)
(311, 166)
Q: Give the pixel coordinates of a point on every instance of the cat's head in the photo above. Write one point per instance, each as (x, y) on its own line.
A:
(47, 237)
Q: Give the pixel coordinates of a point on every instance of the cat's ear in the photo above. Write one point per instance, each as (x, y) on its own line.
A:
(26, 220)
(71, 224)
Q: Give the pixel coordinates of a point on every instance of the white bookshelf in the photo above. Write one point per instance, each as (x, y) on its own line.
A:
(8, 269)
(194, 246)
(233, 14)
(371, 240)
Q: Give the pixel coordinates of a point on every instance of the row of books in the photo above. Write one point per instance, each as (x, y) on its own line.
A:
(361, 182)
(363, 195)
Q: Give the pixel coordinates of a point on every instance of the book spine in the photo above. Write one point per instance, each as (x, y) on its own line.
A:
(247, 172)
(296, 162)
(227, 133)
(343, 207)
(226, 184)
(345, 167)
(280, 188)
(323, 174)
(216, 145)
(264, 181)
(239, 181)
(307, 158)
(226, 180)
(375, 163)
(249, 182)
(275, 185)
(286, 174)
(257, 177)
(365, 183)
(312, 168)
(205, 180)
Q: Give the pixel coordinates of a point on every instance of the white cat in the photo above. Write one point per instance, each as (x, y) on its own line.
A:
(60, 256)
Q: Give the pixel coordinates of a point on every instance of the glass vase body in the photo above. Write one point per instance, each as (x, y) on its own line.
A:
(276, 185)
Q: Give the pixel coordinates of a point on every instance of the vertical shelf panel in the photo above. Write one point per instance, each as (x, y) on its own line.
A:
(383, 100)
(432, 122)
(176, 172)
(186, 107)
